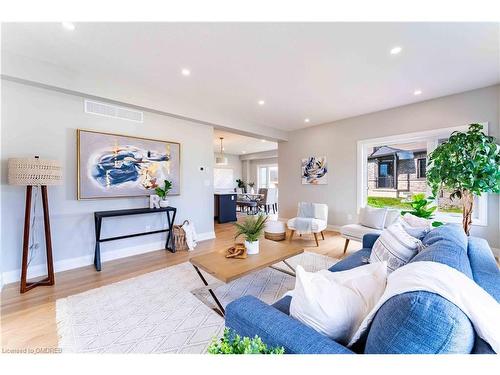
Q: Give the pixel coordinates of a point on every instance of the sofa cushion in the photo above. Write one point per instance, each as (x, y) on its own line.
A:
(419, 322)
(395, 246)
(356, 231)
(372, 217)
(424, 322)
(359, 258)
(317, 225)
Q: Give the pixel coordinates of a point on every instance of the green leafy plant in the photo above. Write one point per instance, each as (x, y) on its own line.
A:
(162, 193)
(234, 344)
(422, 207)
(252, 228)
(241, 183)
(467, 164)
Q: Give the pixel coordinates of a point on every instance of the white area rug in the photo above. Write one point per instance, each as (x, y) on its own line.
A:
(156, 312)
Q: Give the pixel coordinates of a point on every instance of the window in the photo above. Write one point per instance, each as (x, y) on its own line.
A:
(421, 167)
(392, 169)
(267, 176)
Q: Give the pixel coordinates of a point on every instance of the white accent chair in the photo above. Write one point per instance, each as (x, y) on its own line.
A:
(356, 232)
(318, 224)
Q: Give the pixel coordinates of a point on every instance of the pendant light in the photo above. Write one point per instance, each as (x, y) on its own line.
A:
(221, 159)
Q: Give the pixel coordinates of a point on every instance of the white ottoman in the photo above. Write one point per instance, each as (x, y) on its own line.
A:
(275, 230)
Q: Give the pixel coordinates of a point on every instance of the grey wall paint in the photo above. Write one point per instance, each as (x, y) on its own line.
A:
(44, 122)
(338, 141)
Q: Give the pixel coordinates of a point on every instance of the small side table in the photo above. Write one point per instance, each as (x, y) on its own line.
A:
(99, 215)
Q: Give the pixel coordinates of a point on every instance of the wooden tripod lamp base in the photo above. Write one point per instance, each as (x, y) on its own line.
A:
(37, 172)
(50, 279)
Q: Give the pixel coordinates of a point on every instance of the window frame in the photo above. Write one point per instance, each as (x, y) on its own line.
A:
(480, 214)
(268, 166)
(419, 174)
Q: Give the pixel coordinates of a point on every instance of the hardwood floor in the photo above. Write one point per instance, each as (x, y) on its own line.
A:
(28, 321)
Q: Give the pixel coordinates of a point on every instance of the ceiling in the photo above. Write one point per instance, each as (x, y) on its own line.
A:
(319, 71)
(239, 144)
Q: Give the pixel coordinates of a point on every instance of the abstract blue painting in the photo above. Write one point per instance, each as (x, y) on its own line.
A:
(314, 170)
(113, 165)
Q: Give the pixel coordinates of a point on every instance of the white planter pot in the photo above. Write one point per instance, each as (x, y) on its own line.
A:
(252, 247)
(163, 203)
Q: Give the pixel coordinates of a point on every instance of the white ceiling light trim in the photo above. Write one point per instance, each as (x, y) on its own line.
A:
(185, 72)
(261, 102)
(396, 50)
(417, 92)
(68, 25)
(307, 120)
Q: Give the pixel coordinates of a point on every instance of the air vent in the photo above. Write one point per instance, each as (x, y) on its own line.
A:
(108, 110)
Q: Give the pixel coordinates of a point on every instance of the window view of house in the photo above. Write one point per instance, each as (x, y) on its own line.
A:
(397, 172)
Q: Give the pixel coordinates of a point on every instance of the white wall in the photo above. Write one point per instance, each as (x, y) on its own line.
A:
(37, 121)
(234, 163)
(338, 141)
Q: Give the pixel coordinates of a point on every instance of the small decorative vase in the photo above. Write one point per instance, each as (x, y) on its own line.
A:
(252, 247)
(163, 203)
(252, 191)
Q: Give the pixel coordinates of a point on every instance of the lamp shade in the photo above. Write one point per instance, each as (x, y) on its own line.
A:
(221, 160)
(34, 171)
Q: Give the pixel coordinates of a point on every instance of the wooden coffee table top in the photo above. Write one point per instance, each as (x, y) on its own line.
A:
(229, 269)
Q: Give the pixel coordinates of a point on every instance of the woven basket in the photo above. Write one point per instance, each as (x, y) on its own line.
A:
(275, 236)
(180, 237)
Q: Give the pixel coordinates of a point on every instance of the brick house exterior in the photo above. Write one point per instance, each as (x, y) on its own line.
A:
(396, 173)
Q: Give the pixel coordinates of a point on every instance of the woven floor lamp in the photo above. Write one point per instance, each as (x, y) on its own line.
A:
(36, 172)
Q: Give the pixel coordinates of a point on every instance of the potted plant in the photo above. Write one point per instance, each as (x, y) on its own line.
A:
(231, 343)
(241, 185)
(251, 184)
(162, 193)
(252, 228)
(422, 207)
(467, 164)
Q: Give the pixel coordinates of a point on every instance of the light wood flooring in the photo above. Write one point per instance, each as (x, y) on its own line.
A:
(28, 320)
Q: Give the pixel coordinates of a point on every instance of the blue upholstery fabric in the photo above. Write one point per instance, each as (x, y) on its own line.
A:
(484, 266)
(420, 323)
(249, 316)
(357, 259)
(414, 322)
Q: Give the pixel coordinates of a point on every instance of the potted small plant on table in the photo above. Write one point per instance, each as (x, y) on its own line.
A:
(467, 164)
(241, 185)
(251, 184)
(162, 193)
(252, 228)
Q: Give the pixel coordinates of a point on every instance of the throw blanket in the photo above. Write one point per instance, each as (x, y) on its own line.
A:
(481, 308)
(303, 221)
(191, 236)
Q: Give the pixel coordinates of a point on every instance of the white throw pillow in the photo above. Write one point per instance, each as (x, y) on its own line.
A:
(335, 303)
(391, 217)
(372, 217)
(415, 221)
(395, 246)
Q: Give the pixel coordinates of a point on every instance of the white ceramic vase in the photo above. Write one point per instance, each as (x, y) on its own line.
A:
(163, 203)
(252, 191)
(252, 247)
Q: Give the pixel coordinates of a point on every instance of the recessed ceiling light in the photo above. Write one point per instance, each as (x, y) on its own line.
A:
(262, 140)
(417, 92)
(396, 50)
(261, 102)
(307, 120)
(186, 72)
(243, 152)
(68, 25)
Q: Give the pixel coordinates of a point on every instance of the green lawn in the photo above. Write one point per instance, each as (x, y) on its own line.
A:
(388, 202)
(398, 203)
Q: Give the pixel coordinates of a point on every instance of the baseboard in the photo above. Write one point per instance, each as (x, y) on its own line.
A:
(69, 264)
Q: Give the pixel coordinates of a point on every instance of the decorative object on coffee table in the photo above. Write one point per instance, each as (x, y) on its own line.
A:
(35, 173)
(238, 251)
(275, 230)
(252, 228)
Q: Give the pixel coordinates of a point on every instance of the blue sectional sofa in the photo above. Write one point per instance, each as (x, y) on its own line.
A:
(415, 322)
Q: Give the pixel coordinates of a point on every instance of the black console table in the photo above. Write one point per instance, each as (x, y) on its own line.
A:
(99, 215)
